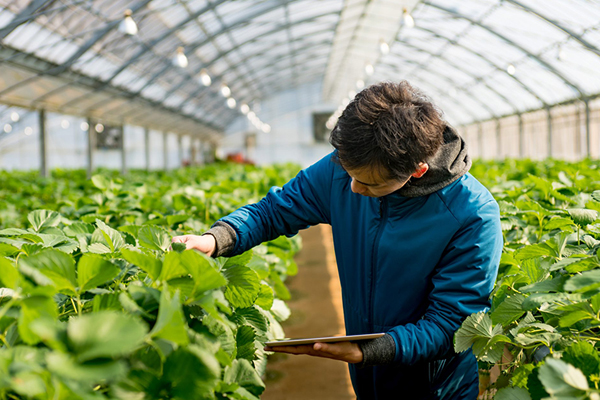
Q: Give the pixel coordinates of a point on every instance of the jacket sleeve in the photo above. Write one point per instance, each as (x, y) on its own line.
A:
(462, 283)
(302, 202)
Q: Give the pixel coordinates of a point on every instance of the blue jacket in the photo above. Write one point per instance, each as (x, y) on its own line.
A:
(413, 267)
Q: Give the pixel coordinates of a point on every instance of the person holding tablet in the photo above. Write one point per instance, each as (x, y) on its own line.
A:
(417, 242)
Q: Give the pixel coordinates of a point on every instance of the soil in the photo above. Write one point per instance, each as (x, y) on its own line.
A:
(316, 311)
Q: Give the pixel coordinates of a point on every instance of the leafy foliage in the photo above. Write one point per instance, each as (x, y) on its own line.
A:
(99, 306)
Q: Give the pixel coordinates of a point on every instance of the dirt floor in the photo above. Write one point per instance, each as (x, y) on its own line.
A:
(316, 311)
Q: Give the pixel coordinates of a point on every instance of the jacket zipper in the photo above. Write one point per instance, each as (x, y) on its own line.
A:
(383, 215)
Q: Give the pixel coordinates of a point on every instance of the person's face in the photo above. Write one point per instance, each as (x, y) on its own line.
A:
(370, 182)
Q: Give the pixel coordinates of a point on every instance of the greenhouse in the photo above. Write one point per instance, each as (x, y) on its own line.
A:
(300, 199)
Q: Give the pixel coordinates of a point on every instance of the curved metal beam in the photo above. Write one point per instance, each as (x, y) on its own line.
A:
(24, 16)
(558, 25)
(475, 78)
(484, 58)
(511, 43)
(254, 39)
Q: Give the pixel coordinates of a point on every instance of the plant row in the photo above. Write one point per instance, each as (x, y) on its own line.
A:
(543, 328)
(98, 303)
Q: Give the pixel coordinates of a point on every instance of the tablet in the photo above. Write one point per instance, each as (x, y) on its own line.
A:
(327, 339)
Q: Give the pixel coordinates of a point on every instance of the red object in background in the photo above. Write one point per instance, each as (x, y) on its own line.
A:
(238, 158)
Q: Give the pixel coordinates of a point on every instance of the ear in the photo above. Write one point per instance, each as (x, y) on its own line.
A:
(423, 167)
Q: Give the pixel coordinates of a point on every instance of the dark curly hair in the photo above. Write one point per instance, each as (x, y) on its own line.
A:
(391, 127)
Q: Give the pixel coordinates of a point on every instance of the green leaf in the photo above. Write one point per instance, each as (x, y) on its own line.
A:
(244, 339)
(512, 393)
(242, 373)
(582, 283)
(222, 332)
(33, 309)
(265, 297)
(521, 375)
(192, 373)
(574, 317)
(178, 247)
(203, 271)
(108, 236)
(101, 182)
(243, 287)
(103, 370)
(7, 250)
(9, 276)
(509, 310)
(240, 260)
(56, 266)
(93, 271)
(99, 248)
(280, 310)
(154, 238)
(148, 264)
(535, 251)
(477, 331)
(41, 219)
(583, 216)
(562, 379)
(172, 267)
(105, 334)
(170, 324)
(549, 285)
(78, 228)
(583, 355)
(557, 223)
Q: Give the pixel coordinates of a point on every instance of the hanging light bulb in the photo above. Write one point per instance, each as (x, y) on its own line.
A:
(560, 55)
(84, 126)
(99, 128)
(225, 91)
(205, 78)
(14, 116)
(369, 69)
(266, 128)
(251, 115)
(8, 128)
(409, 21)
(360, 84)
(231, 102)
(244, 109)
(128, 25)
(64, 124)
(351, 94)
(180, 59)
(28, 131)
(384, 47)
(511, 69)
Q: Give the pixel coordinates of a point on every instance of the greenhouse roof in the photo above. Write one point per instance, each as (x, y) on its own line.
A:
(193, 65)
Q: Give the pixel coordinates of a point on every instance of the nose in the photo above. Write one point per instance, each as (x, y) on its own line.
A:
(357, 187)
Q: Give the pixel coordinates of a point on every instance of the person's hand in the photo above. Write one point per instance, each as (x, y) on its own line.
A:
(205, 244)
(342, 351)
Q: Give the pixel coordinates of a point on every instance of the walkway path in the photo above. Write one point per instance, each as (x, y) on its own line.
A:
(316, 311)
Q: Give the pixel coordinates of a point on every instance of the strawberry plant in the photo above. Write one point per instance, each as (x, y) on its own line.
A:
(97, 303)
(546, 303)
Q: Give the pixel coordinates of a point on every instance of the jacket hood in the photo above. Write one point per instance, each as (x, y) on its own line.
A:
(449, 163)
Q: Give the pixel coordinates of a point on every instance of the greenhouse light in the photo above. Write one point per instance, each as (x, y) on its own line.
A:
(369, 69)
(205, 78)
(409, 21)
(360, 84)
(345, 101)
(8, 128)
(560, 55)
(180, 59)
(14, 116)
(64, 124)
(384, 47)
(251, 115)
(329, 125)
(99, 128)
(128, 25)
(84, 126)
(28, 131)
(266, 128)
(351, 94)
(225, 91)
(511, 69)
(231, 102)
(244, 109)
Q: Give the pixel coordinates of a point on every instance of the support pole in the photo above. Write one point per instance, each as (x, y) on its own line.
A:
(147, 148)
(480, 134)
(550, 149)
(194, 147)
(521, 137)
(123, 152)
(43, 143)
(90, 148)
(498, 140)
(578, 133)
(166, 150)
(180, 149)
(588, 143)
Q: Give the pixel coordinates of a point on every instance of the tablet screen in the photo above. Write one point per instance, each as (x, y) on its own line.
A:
(327, 339)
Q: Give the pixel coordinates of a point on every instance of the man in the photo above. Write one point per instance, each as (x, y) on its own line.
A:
(417, 242)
